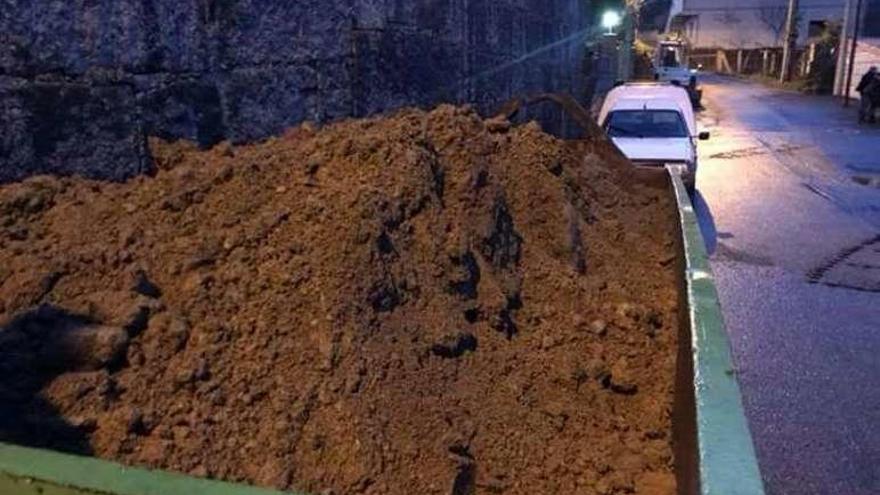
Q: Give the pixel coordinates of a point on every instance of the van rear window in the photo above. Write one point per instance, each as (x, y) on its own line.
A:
(646, 124)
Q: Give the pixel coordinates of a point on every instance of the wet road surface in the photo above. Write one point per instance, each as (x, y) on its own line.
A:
(789, 202)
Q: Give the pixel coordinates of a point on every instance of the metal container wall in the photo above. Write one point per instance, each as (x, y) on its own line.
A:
(714, 454)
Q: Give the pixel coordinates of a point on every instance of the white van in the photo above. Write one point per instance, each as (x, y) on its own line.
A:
(653, 124)
(670, 65)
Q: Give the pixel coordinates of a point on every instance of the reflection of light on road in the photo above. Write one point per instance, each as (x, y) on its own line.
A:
(783, 195)
(739, 179)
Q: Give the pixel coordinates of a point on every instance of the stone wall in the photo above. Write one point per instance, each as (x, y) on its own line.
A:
(83, 82)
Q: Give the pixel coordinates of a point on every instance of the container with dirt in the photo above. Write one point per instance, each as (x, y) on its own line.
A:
(422, 303)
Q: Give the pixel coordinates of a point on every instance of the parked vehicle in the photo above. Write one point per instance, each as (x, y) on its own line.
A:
(653, 124)
(671, 65)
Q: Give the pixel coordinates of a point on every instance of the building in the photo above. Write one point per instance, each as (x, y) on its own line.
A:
(749, 24)
(748, 35)
(867, 48)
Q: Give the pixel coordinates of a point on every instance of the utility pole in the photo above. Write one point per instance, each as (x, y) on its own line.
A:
(624, 67)
(790, 40)
(852, 51)
(843, 49)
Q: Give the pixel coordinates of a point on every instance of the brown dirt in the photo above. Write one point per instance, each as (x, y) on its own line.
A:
(415, 304)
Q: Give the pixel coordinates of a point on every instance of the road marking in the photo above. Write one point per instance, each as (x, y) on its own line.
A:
(856, 268)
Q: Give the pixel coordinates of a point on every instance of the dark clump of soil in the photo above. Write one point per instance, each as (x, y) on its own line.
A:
(413, 304)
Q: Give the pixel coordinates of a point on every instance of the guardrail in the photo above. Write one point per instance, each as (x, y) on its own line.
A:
(714, 451)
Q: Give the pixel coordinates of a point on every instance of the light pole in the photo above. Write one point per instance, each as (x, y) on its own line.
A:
(612, 19)
(790, 40)
(629, 26)
(852, 52)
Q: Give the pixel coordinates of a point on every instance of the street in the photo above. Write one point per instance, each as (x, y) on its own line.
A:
(789, 204)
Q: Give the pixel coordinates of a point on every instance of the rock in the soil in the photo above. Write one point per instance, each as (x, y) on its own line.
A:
(653, 322)
(455, 345)
(85, 388)
(597, 369)
(631, 313)
(85, 423)
(30, 198)
(328, 349)
(655, 482)
(199, 471)
(549, 341)
(599, 327)
(558, 415)
(466, 277)
(616, 482)
(202, 372)
(498, 124)
(134, 420)
(125, 309)
(142, 285)
(226, 149)
(87, 348)
(355, 378)
(622, 378)
(166, 335)
(276, 474)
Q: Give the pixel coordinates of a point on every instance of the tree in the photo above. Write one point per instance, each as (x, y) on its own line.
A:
(774, 18)
(737, 38)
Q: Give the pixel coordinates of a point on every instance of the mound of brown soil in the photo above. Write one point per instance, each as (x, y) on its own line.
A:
(426, 303)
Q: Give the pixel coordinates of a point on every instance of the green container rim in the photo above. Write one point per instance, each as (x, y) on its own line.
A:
(726, 460)
(26, 470)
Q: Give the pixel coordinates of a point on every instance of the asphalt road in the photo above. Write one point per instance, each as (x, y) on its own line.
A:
(789, 202)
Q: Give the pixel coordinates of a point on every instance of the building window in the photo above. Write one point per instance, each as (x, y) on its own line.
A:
(871, 21)
(816, 29)
(692, 28)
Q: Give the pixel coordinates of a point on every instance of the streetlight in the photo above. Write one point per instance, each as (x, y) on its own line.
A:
(610, 20)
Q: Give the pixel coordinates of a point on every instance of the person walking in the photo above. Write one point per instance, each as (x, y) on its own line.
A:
(867, 88)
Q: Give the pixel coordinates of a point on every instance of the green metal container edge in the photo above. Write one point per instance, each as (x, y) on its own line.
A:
(28, 471)
(727, 464)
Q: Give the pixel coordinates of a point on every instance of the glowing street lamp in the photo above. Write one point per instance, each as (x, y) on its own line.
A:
(610, 20)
